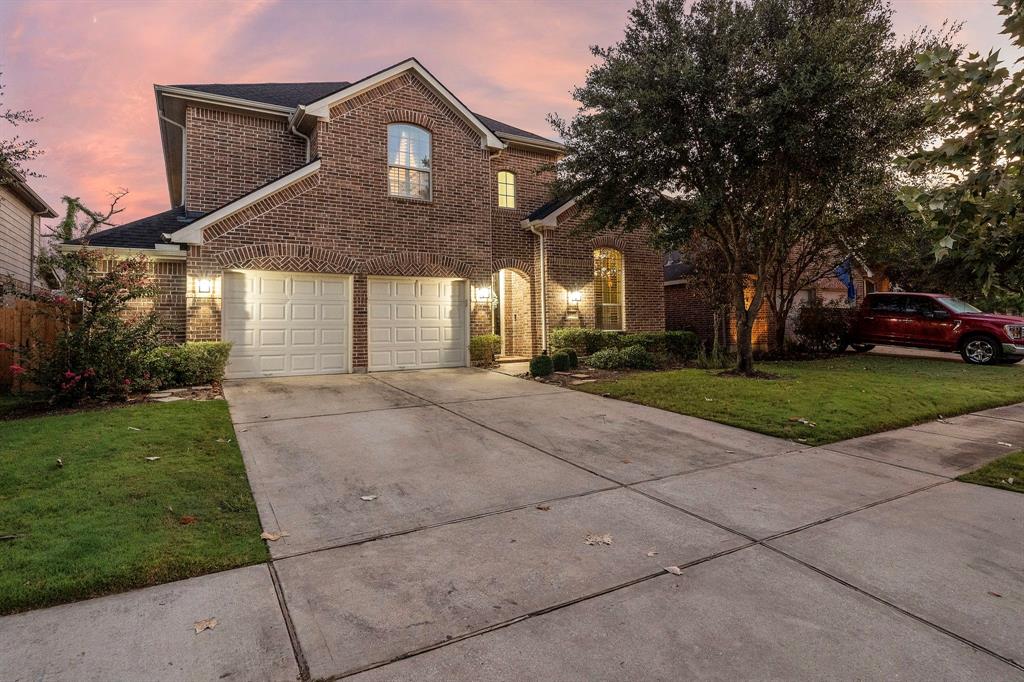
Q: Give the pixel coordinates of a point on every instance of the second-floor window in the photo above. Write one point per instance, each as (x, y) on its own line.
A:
(506, 189)
(408, 161)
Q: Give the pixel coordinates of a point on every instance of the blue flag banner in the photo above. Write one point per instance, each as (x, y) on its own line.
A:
(845, 275)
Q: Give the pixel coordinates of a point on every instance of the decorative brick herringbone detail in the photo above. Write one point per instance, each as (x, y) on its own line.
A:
(289, 258)
(418, 265)
(523, 266)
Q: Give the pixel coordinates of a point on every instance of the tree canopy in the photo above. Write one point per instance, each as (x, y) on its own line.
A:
(749, 123)
(966, 183)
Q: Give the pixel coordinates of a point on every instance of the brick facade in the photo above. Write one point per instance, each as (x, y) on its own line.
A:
(342, 220)
(168, 276)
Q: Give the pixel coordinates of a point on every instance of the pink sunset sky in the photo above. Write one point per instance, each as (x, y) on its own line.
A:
(88, 68)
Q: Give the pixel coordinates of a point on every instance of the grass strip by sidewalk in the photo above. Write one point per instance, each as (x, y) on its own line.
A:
(110, 520)
(843, 397)
(1006, 473)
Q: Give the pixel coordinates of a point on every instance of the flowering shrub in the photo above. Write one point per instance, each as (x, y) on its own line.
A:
(101, 344)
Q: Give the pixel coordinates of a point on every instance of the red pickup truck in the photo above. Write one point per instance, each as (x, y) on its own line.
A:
(938, 322)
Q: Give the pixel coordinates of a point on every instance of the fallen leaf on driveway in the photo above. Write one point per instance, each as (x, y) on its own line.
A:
(152, 459)
(368, 498)
(544, 507)
(674, 570)
(652, 552)
(1005, 444)
(592, 539)
(207, 624)
(187, 520)
(942, 420)
(273, 537)
(996, 594)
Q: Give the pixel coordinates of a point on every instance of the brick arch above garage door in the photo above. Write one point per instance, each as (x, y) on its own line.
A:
(288, 258)
(412, 264)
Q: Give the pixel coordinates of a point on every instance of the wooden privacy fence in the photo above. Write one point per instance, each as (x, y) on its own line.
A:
(22, 322)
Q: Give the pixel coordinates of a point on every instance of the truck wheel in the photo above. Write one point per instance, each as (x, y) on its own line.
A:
(863, 347)
(980, 350)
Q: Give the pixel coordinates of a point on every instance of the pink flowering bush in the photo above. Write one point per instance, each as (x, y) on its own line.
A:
(102, 344)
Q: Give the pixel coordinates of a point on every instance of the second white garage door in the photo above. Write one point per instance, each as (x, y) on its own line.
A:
(416, 323)
(282, 323)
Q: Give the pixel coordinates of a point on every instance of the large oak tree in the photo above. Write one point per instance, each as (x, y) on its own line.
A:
(750, 124)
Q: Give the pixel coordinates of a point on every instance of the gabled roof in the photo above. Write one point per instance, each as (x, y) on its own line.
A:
(144, 233)
(192, 233)
(547, 214)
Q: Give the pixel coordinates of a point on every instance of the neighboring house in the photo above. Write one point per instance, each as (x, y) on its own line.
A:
(21, 211)
(374, 225)
(687, 309)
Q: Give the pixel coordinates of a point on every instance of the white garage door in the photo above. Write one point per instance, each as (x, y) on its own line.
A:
(416, 323)
(286, 323)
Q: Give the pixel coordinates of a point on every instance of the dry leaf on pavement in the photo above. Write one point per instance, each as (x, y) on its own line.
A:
(674, 570)
(544, 507)
(273, 537)
(207, 624)
(368, 498)
(652, 552)
(592, 539)
(1004, 444)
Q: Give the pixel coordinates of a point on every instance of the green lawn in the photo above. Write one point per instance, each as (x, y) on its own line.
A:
(109, 520)
(1006, 473)
(844, 397)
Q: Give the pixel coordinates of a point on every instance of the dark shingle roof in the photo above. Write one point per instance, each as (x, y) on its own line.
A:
(676, 266)
(547, 209)
(142, 233)
(288, 95)
(292, 95)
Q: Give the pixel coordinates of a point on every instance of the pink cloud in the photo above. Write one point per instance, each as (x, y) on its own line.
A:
(88, 67)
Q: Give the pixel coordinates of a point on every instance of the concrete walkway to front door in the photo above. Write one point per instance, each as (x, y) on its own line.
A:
(466, 525)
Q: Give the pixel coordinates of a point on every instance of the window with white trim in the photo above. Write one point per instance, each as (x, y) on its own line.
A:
(409, 161)
(506, 189)
(609, 291)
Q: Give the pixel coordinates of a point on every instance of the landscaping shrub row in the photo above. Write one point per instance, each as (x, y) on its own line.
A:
(483, 349)
(194, 363)
(680, 345)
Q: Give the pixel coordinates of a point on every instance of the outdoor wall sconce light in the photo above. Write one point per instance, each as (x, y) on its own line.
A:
(483, 294)
(575, 297)
(204, 286)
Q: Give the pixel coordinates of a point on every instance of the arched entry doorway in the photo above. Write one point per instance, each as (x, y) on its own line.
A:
(513, 319)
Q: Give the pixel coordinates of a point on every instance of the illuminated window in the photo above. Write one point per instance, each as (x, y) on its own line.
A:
(408, 161)
(608, 289)
(506, 189)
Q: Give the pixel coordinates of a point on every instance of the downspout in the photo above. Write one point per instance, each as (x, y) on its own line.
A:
(300, 111)
(184, 148)
(32, 250)
(539, 231)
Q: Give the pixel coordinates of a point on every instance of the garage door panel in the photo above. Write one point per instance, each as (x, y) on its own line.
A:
(286, 323)
(415, 323)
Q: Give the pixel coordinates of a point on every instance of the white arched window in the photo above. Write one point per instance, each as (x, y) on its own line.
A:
(409, 161)
(609, 290)
(506, 189)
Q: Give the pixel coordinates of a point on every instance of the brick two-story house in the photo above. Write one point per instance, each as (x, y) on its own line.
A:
(374, 225)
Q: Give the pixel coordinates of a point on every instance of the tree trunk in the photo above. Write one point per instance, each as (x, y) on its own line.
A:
(744, 327)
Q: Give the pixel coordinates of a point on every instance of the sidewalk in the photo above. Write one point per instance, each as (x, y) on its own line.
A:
(798, 577)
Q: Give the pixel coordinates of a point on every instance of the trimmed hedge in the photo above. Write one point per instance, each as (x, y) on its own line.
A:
(483, 349)
(194, 363)
(630, 357)
(560, 361)
(681, 345)
(541, 366)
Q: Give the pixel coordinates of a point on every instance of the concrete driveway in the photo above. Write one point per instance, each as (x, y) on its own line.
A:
(465, 525)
